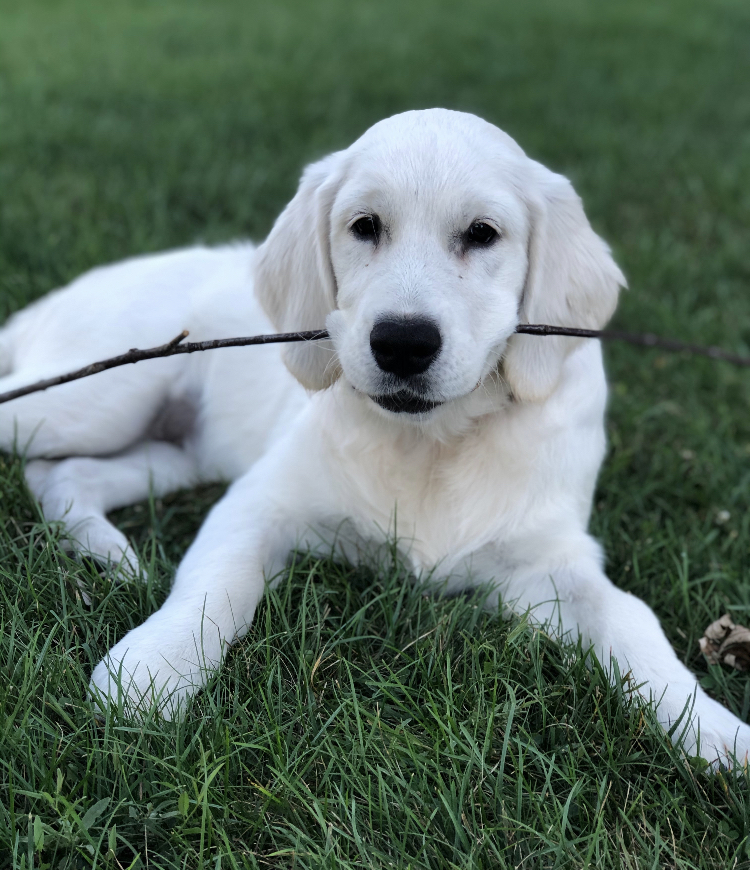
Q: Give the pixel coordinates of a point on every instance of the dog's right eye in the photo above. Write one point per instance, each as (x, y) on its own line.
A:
(367, 228)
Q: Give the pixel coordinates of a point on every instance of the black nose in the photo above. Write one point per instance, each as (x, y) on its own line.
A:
(405, 346)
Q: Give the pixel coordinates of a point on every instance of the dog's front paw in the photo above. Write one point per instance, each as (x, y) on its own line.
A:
(155, 667)
(715, 734)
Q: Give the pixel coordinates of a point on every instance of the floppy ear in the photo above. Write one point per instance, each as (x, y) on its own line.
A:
(294, 279)
(572, 280)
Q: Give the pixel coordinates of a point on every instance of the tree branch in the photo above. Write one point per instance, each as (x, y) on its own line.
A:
(642, 339)
(178, 345)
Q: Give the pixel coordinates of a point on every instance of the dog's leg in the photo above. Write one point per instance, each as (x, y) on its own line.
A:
(96, 416)
(80, 492)
(245, 539)
(566, 590)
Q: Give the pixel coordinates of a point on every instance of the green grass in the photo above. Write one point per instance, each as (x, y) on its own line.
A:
(362, 724)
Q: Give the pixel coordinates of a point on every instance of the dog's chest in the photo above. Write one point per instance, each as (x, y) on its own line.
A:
(441, 502)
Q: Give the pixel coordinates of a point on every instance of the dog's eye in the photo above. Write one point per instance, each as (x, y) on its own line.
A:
(367, 228)
(480, 233)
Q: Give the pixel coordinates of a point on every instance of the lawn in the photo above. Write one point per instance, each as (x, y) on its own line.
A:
(362, 723)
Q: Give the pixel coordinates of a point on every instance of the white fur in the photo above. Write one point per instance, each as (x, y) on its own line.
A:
(493, 485)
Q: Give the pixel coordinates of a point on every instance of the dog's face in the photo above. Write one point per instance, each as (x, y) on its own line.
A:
(421, 248)
(428, 245)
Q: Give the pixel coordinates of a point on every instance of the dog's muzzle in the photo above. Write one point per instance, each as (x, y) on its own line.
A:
(404, 348)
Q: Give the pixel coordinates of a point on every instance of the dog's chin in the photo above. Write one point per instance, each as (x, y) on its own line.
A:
(405, 402)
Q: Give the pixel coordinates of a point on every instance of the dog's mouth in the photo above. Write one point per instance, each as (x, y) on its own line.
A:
(405, 402)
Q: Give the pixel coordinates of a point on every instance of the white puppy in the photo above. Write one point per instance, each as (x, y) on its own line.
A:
(420, 247)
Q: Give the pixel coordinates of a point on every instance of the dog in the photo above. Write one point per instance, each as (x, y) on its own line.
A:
(420, 248)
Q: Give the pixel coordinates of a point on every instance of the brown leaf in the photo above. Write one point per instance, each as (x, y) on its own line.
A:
(727, 643)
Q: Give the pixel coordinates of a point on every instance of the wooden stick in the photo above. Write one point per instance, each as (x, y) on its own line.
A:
(642, 339)
(178, 345)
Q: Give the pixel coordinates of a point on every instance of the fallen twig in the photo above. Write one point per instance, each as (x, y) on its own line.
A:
(178, 345)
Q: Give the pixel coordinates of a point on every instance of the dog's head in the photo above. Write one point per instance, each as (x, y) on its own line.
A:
(420, 248)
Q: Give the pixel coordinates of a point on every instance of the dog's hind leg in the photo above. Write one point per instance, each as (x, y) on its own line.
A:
(95, 416)
(80, 491)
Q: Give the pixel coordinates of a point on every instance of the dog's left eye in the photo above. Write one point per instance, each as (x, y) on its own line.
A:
(367, 227)
(480, 233)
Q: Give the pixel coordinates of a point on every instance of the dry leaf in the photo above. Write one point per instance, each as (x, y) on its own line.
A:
(727, 643)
